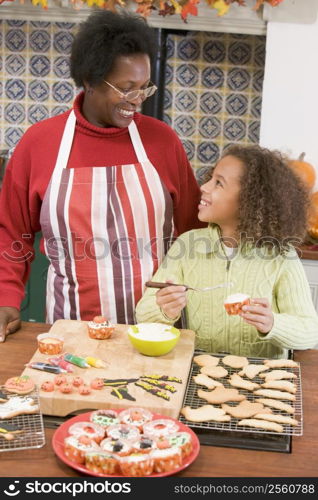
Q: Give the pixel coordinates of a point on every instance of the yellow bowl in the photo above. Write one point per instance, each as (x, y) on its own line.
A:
(153, 339)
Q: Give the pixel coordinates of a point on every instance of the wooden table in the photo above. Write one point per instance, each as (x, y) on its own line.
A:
(211, 462)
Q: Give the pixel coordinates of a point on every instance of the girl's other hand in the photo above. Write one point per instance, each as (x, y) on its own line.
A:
(259, 314)
(171, 300)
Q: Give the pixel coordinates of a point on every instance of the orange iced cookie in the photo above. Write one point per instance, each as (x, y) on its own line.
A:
(20, 385)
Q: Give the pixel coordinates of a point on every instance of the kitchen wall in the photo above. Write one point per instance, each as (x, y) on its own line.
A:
(213, 85)
(214, 92)
(290, 101)
(35, 82)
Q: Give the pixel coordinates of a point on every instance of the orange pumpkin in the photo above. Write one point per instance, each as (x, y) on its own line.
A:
(313, 216)
(305, 171)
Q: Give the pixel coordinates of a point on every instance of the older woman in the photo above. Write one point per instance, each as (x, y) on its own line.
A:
(108, 187)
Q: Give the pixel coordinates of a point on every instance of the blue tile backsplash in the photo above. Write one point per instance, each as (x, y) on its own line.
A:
(214, 92)
(213, 85)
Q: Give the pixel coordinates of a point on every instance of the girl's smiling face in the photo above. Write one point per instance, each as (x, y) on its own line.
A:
(220, 195)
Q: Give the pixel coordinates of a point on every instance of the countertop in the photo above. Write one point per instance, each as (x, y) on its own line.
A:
(212, 461)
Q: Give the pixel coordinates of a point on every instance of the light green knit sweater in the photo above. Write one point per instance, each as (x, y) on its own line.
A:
(197, 259)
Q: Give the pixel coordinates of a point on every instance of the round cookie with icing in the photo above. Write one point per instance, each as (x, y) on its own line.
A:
(20, 385)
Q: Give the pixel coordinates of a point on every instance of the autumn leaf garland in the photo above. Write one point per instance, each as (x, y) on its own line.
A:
(164, 7)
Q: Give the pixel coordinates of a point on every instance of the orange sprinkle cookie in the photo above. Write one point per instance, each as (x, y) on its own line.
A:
(20, 385)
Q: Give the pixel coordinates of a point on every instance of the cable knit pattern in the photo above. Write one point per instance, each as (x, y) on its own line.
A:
(198, 260)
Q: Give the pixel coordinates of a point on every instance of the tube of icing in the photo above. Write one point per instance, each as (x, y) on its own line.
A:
(60, 361)
(76, 360)
(97, 363)
(45, 367)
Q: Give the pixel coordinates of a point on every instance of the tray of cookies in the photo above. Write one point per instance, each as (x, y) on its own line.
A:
(21, 422)
(236, 393)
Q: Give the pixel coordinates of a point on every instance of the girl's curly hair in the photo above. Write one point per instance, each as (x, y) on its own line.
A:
(103, 37)
(273, 200)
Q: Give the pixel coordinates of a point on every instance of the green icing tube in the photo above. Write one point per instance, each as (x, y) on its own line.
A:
(76, 360)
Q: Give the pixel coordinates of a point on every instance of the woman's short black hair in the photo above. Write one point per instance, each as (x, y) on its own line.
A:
(104, 36)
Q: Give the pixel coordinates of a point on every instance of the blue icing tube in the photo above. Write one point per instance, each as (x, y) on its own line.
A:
(76, 360)
(45, 367)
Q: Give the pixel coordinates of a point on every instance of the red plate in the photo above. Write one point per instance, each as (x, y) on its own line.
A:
(61, 433)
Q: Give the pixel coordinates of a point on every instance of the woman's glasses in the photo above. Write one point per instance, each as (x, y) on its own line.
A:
(135, 94)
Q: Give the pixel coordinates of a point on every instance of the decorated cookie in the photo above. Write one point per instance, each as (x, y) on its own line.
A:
(9, 431)
(77, 381)
(60, 379)
(66, 388)
(97, 383)
(47, 386)
(84, 389)
(20, 385)
(18, 405)
(3, 397)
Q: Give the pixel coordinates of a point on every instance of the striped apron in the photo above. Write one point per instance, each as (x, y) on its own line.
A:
(105, 230)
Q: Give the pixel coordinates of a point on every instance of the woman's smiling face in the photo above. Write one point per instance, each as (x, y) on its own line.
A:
(220, 195)
(104, 107)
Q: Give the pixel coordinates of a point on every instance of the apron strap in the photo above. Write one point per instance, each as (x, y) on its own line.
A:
(66, 143)
(136, 140)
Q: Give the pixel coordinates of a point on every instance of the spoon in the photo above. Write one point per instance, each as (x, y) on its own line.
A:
(157, 284)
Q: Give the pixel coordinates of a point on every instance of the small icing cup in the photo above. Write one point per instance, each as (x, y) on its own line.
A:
(49, 343)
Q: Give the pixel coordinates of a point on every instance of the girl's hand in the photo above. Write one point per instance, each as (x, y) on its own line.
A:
(258, 314)
(171, 300)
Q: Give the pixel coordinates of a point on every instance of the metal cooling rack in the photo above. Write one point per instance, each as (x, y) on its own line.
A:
(192, 399)
(33, 435)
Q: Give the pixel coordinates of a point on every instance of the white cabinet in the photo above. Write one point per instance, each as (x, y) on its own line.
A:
(311, 270)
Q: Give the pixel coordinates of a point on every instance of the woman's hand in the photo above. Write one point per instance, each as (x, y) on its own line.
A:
(258, 314)
(171, 300)
(9, 321)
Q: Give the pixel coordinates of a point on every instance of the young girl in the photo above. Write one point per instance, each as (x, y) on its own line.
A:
(256, 208)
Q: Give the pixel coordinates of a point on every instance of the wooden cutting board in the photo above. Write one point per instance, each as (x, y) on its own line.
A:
(123, 361)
